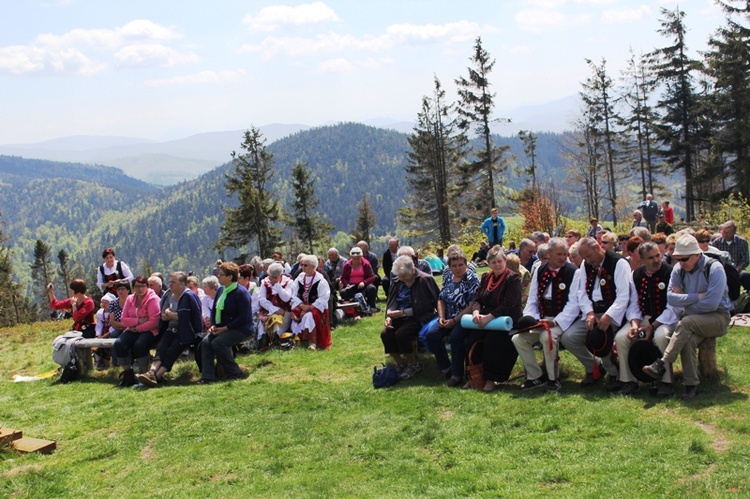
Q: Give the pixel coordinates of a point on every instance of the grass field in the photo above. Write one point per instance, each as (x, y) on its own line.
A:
(309, 424)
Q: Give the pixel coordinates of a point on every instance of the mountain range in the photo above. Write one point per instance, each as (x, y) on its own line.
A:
(170, 162)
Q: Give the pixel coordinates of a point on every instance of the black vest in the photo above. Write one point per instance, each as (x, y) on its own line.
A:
(560, 288)
(609, 288)
(652, 291)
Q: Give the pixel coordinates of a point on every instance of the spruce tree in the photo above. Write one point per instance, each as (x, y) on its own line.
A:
(433, 163)
(257, 216)
(14, 307)
(599, 101)
(728, 64)
(476, 109)
(310, 227)
(42, 271)
(678, 129)
(639, 120)
(365, 221)
(529, 147)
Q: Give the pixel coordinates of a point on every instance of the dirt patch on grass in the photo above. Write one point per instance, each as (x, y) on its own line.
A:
(445, 415)
(148, 453)
(21, 470)
(720, 443)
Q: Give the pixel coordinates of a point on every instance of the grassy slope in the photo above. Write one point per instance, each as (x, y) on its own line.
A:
(310, 424)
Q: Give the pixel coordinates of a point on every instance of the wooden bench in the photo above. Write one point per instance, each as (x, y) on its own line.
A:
(83, 351)
(707, 360)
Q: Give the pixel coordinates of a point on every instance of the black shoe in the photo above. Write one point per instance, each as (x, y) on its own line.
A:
(665, 390)
(128, 378)
(552, 386)
(690, 392)
(588, 381)
(204, 381)
(537, 345)
(655, 370)
(613, 384)
(532, 383)
(629, 388)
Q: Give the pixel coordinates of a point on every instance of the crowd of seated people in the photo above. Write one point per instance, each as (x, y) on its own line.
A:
(581, 294)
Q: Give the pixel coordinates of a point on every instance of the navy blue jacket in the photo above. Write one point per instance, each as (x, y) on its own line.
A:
(238, 310)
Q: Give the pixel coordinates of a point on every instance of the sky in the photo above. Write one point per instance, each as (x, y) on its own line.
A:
(167, 69)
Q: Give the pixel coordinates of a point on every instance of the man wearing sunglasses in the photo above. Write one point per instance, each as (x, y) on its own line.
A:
(697, 286)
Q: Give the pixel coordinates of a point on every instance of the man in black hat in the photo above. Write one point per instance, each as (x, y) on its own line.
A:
(698, 286)
(650, 318)
(552, 300)
(604, 291)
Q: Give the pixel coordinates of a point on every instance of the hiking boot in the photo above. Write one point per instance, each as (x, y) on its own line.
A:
(588, 381)
(655, 370)
(410, 371)
(148, 379)
(690, 392)
(613, 384)
(552, 386)
(532, 383)
(128, 378)
(629, 388)
(665, 390)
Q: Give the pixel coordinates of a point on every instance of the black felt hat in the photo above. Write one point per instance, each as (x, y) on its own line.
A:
(599, 341)
(525, 323)
(642, 353)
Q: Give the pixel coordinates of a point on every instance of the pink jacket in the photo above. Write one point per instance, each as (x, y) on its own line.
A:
(149, 309)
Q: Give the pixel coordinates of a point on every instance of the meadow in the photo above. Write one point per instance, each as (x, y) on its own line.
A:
(309, 424)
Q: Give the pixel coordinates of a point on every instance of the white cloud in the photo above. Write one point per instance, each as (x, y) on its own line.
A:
(153, 54)
(394, 35)
(371, 63)
(273, 17)
(201, 77)
(625, 15)
(87, 51)
(537, 20)
(336, 66)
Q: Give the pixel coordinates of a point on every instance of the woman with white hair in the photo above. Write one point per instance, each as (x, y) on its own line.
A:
(412, 300)
(310, 315)
(275, 302)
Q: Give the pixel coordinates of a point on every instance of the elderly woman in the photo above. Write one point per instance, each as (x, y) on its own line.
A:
(140, 316)
(79, 304)
(310, 314)
(112, 270)
(357, 277)
(275, 302)
(411, 304)
(499, 295)
(454, 301)
(609, 241)
(231, 323)
(572, 236)
(210, 286)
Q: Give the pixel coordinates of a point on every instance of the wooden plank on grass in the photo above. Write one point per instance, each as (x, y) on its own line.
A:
(7, 435)
(30, 444)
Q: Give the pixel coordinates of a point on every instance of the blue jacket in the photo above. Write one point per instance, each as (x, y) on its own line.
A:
(487, 230)
(238, 310)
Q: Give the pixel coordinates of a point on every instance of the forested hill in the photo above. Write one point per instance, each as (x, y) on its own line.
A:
(83, 209)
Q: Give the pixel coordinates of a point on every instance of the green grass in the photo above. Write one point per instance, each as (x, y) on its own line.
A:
(310, 424)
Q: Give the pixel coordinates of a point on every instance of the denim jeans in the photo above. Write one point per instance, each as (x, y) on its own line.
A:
(219, 347)
(436, 342)
(130, 344)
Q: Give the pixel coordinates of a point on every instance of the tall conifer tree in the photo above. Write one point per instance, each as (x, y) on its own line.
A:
(258, 215)
(476, 108)
(311, 227)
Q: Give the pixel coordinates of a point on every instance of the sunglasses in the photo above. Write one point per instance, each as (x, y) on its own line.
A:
(683, 259)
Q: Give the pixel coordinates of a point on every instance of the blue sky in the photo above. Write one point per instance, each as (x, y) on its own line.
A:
(161, 69)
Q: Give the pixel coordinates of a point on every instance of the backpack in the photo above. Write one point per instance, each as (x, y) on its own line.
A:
(384, 377)
(734, 286)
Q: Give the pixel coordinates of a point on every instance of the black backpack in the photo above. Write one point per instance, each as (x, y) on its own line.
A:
(734, 286)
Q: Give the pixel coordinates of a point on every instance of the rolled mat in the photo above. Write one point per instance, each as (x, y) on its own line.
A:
(502, 323)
